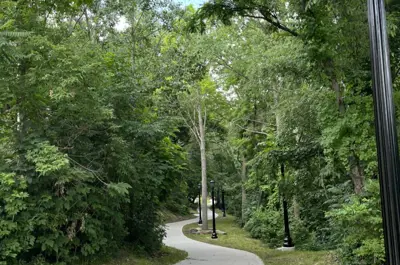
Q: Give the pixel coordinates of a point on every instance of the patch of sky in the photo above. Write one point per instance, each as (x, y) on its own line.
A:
(122, 23)
(195, 3)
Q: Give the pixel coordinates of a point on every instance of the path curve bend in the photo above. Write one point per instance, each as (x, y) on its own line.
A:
(205, 254)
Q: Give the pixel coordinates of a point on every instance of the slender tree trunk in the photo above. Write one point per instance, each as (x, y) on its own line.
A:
(218, 204)
(204, 194)
(357, 174)
(277, 118)
(296, 209)
(356, 169)
(260, 198)
(244, 197)
(133, 55)
(89, 30)
(339, 94)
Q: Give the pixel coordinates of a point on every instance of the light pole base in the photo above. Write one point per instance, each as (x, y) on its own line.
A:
(286, 248)
(287, 242)
(214, 235)
(200, 222)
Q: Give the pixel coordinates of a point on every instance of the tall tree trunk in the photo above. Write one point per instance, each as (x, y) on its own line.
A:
(356, 169)
(133, 55)
(244, 197)
(357, 174)
(339, 94)
(89, 28)
(204, 193)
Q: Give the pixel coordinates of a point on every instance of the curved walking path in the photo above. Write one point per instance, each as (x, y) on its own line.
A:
(206, 254)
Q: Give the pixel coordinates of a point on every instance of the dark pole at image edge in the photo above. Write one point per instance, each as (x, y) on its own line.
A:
(385, 128)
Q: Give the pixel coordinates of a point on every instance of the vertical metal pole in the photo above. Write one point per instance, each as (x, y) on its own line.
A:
(386, 133)
(287, 241)
(200, 221)
(223, 204)
(214, 234)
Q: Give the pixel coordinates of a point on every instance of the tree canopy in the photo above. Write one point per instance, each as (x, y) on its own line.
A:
(112, 112)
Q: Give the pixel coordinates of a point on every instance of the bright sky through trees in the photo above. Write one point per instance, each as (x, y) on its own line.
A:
(196, 3)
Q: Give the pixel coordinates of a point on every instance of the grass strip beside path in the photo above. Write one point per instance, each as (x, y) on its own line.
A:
(238, 238)
(170, 217)
(167, 256)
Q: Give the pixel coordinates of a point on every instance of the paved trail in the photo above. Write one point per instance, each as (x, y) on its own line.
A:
(206, 254)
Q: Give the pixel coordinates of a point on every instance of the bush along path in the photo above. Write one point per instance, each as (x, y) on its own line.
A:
(201, 253)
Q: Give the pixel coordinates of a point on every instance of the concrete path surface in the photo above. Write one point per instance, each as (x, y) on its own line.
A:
(206, 254)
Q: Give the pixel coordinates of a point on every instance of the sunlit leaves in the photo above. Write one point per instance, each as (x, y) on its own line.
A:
(47, 159)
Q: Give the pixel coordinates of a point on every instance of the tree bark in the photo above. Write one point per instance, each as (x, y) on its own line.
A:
(89, 31)
(357, 174)
(339, 94)
(204, 193)
(244, 197)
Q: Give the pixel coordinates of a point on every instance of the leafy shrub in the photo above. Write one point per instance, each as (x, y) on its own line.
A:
(358, 228)
(266, 225)
(15, 227)
(61, 214)
(301, 235)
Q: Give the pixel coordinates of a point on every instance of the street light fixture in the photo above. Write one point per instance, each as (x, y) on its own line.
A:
(200, 221)
(214, 233)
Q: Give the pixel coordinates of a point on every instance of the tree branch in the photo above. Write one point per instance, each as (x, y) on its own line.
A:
(267, 14)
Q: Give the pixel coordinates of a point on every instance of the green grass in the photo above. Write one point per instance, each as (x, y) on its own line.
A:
(239, 239)
(167, 256)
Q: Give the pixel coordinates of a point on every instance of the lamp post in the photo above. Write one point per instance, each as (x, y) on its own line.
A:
(214, 233)
(223, 203)
(200, 221)
(287, 241)
(385, 128)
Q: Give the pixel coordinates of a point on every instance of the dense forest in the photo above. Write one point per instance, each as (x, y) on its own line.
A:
(112, 111)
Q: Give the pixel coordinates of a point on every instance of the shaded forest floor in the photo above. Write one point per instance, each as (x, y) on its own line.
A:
(238, 238)
(167, 255)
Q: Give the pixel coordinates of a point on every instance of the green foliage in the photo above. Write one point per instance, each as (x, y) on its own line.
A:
(267, 226)
(99, 128)
(304, 101)
(87, 159)
(15, 228)
(357, 226)
(47, 159)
